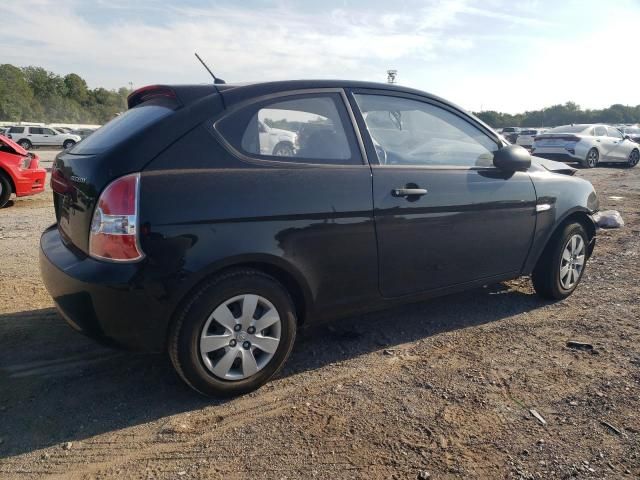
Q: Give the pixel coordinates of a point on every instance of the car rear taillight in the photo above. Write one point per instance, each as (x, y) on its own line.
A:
(114, 227)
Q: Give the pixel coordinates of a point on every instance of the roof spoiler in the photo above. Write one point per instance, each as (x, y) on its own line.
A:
(147, 93)
(181, 95)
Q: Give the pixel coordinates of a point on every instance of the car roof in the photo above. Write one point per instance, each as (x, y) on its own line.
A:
(239, 92)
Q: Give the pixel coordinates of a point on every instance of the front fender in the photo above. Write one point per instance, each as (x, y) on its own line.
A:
(561, 197)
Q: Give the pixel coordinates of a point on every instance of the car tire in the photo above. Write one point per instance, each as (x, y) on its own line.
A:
(562, 264)
(214, 312)
(5, 190)
(592, 159)
(634, 157)
(26, 144)
(68, 144)
(283, 149)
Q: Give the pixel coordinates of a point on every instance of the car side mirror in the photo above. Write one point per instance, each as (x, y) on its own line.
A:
(512, 158)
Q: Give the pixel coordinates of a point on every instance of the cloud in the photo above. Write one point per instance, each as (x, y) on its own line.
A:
(491, 53)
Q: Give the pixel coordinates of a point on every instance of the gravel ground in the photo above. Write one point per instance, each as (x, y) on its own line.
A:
(443, 389)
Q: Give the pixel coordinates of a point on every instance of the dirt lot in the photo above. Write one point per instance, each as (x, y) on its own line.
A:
(437, 390)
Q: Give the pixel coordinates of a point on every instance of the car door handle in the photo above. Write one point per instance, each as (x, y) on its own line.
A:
(408, 192)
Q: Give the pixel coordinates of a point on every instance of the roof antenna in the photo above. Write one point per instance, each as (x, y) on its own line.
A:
(216, 80)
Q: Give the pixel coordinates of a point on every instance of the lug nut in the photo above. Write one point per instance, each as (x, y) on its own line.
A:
(246, 345)
(251, 330)
(232, 343)
(237, 327)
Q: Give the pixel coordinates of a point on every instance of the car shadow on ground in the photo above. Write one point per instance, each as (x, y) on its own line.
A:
(57, 386)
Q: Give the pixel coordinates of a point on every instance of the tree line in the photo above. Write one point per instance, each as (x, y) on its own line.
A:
(562, 115)
(35, 94)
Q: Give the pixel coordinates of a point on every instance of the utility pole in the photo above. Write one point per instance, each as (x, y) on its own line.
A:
(391, 76)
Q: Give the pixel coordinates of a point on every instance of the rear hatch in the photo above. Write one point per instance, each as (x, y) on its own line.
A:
(124, 145)
(555, 140)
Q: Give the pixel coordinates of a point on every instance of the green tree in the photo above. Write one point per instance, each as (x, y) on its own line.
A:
(16, 97)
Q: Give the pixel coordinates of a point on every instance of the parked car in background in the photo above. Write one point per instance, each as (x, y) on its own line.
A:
(526, 136)
(215, 248)
(276, 141)
(632, 132)
(28, 137)
(587, 144)
(20, 172)
(511, 133)
(63, 129)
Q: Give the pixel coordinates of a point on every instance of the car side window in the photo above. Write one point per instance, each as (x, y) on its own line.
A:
(36, 130)
(312, 129)
(614, 132)
(48, 131)
(411, 132)
(601, 132)
(16, 130)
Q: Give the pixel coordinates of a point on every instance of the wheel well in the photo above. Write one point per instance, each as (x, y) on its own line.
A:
(283, 142)
(287, 280)
(8, 177)
(580, 217)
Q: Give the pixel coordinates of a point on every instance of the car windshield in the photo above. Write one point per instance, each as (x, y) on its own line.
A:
(632, 131)
(569, 129)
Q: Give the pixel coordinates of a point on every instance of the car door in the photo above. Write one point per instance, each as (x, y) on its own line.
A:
(619, 147)
(49, 137)
(35, 135)
(444, 214)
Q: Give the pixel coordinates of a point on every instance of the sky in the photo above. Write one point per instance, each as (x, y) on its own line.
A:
(505, 55)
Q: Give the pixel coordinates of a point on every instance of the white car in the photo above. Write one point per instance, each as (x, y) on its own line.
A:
(28, 137)
(276, 141)
(526, 137)
(587, 145)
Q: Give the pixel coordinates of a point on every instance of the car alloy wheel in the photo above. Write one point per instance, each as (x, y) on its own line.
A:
(572, 261)
(633, 158)
(592, 158)
(240, 337)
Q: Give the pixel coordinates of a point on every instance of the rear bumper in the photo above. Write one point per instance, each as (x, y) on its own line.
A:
(107, 301)
(557, 156)
(30, 182)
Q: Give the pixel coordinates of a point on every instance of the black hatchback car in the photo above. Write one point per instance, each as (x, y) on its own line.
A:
(178, 227)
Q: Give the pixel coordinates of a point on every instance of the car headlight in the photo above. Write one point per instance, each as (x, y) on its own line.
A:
(25, 163)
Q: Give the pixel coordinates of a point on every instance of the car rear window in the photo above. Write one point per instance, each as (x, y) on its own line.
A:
(568, 129)
(121, 127)
(309, 128)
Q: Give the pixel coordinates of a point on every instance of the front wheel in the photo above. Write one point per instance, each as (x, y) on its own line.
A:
(561, 266)
(233, 334)
(5, 190)
(633, 158)
(592, 158)
(283, 149)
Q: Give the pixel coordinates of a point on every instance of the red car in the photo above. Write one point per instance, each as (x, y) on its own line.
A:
(19, 171)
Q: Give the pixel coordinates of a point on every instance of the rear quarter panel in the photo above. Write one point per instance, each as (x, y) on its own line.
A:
(203, 210)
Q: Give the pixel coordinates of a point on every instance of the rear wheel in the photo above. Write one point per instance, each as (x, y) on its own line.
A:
(233, 334)
(592, 158)
(560, 268)
(283, 149)
(26, 144)
(633, 158)
(5, 190)
(68, 144)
